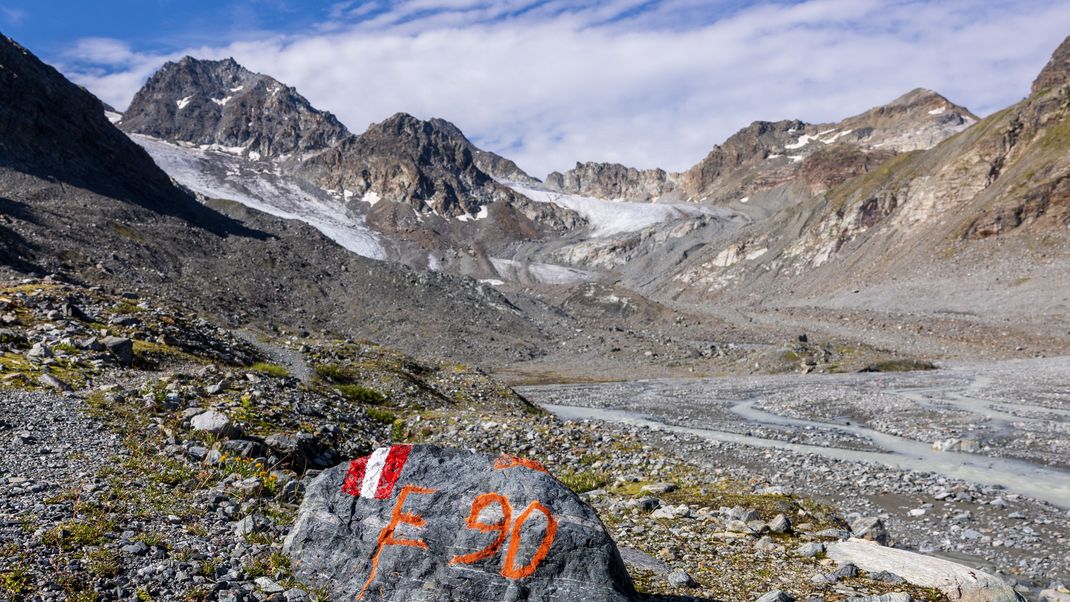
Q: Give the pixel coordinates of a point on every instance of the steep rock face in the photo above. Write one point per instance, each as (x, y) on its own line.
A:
(753, 159)
(917, 120)
(223, 104)
(1057, 71)
(428, 165)
(613, 181)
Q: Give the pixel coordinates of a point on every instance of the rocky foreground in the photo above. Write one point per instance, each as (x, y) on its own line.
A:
(150, 455)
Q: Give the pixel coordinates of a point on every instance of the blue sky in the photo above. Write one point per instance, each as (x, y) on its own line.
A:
(551, 82)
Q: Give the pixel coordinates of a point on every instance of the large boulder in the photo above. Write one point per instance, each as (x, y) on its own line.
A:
(430, 523)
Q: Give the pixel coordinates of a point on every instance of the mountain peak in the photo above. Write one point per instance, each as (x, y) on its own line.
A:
(221, 104)
(1057, 71)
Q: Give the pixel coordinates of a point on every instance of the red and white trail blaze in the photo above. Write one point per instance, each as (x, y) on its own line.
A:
(376, 475)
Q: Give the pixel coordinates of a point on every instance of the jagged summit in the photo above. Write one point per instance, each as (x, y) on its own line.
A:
(1057, 71)
(221, 103)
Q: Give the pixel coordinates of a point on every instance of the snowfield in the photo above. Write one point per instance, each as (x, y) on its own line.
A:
(263, 190)
(608, 218)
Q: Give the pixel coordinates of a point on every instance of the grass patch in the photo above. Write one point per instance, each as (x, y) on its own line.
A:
(102, 562)
(381, 415)
(15, 583)
(273, 370)
(899, 366)
(360, 394)
(336, 373)
(582, 481)
(74, 534)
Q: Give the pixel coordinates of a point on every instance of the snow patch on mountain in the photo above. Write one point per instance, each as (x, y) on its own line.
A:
(220, 175)
(608, 218)
(544, 273)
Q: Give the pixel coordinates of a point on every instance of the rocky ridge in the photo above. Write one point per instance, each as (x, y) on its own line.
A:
(765, 155)
(613, 181)
(1056, 72)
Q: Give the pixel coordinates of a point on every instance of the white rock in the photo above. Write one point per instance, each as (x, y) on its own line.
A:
(213, 422)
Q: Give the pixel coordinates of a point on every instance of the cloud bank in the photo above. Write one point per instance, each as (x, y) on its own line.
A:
(644, 83)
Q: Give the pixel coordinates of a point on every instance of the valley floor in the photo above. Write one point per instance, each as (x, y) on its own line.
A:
(969, 461)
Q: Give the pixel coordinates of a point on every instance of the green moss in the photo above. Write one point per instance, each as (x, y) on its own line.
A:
(336, 373)
(125, 307)
(150, 353)
(127, 232)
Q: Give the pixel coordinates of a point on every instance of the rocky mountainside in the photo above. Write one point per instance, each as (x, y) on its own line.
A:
(222, 105)
(493, 164)
(79, 197)
(765, 155)
(429, 165)
(407, 190)
(988, 205)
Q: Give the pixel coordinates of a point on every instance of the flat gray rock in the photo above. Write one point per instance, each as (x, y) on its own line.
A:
(957, 581)
(429, 523)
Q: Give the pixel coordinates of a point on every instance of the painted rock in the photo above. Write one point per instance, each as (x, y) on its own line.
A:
(430, 523)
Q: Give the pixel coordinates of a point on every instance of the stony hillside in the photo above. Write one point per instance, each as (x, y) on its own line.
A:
(56, 132)
(182, 452)
(222, 105)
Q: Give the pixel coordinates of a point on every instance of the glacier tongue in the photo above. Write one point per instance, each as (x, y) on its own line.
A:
(223, 176)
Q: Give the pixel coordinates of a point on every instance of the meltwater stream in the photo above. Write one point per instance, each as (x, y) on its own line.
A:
(1039, 482)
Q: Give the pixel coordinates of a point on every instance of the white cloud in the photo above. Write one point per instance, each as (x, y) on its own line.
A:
(556, 82)
(12, 16)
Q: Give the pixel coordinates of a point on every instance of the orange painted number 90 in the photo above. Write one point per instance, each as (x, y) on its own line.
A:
(509, 568)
